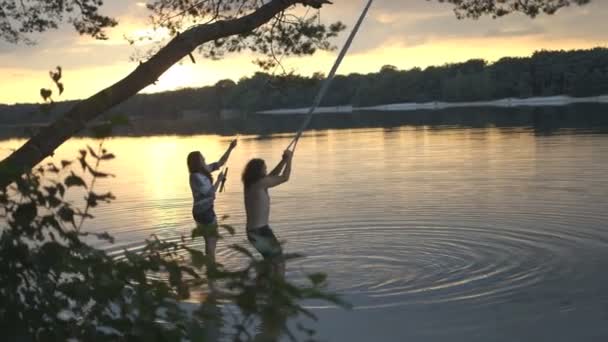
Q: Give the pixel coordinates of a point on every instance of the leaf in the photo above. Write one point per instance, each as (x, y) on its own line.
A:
(308, 313)
(92, 152)
(91, 201)
(66, 214)
(334, 299)
(246, 302)
(191, 272)
(55, 75)
(205, 231)
(65, 163)
(84, 215)
(83, 160)
(92, 198)
(108, 156)
(24, 185)
(49, 220)
(51, 190)
(25, 213)
(175, 274)
(61, 189)
(7, 170)
(105, 236)
(52, 168)
(197, 232)
(73, 180)
(53, 201)
(317, 278)
(198, 258)
(100, 174)
(228, 228)
(46, 94)
(242, 250)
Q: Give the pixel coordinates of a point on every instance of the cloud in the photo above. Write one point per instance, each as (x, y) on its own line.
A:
(515, 32)
(419, 31)
(411, 23)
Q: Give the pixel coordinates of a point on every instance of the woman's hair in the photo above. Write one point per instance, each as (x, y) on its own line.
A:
(254, 171)
(195, 165)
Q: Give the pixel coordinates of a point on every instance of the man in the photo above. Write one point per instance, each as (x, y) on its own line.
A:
(257, 205)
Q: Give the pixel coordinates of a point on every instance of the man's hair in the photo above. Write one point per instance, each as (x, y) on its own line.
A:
(254, 171)
(194, 166)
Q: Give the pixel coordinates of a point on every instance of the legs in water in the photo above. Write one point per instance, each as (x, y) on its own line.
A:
(210, 244)
(264, 240)
(278, 264)
(210, 234)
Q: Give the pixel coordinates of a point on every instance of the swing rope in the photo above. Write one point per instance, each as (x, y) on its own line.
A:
(330, 77)
(326, 83)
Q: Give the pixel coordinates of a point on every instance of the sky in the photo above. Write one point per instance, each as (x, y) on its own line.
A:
(405, 33)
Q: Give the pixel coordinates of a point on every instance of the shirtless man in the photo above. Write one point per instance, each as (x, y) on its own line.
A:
(257, 205)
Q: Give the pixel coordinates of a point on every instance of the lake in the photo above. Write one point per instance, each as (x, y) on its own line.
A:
(432, 233)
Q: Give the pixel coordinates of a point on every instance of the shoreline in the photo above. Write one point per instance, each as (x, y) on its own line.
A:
(544, 101)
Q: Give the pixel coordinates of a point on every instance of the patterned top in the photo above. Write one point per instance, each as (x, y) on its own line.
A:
(203, 192)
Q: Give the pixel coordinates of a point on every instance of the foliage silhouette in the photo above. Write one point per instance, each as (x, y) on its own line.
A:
(56, 285)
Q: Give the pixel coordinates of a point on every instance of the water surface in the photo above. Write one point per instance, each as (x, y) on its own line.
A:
(434, 234)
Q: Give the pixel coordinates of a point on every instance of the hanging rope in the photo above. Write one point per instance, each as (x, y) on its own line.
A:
(329, 78)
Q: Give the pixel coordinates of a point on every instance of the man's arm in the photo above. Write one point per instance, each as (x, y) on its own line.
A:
(226, 155)
(277, 169)
(274, 180)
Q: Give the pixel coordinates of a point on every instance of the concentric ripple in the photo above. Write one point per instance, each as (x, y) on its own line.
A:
(475, 260)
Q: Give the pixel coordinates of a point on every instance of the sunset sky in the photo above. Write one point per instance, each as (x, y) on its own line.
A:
(413, 33)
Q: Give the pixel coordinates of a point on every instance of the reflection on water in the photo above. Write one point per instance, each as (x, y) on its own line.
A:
(433, 234)
(541, 120)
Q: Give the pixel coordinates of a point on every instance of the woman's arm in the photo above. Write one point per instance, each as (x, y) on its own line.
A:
(226, 155)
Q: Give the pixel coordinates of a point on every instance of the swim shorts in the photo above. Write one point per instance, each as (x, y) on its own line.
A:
(265, 242)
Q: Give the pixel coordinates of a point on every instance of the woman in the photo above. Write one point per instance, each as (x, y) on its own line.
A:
(203, 193)
(257, 206)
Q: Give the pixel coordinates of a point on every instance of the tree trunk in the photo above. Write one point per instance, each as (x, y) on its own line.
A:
(49, 138)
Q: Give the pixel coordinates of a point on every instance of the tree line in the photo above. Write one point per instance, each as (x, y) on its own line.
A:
(576, 73)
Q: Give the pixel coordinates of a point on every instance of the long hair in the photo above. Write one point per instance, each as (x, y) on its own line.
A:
(254, 171)
(195, 165)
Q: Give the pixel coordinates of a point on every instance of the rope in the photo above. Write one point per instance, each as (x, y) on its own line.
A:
(329, 78)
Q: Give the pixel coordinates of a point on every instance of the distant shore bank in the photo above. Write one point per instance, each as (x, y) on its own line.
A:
(546, 101)
(542, 119)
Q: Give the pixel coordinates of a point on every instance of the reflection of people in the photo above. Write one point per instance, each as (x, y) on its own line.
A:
(271, 326)
(257, 205)
(203, 193)
(211, 315)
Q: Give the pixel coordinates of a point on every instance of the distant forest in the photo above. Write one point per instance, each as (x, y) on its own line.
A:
(577, 73)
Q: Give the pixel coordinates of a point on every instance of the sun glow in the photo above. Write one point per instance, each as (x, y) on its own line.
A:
(178, 76)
